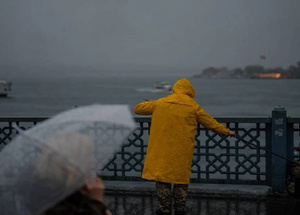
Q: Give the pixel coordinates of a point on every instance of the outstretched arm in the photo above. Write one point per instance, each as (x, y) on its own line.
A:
(145, 108)
(210, 123)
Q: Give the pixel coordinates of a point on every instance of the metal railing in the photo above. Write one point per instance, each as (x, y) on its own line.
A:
(217, 159)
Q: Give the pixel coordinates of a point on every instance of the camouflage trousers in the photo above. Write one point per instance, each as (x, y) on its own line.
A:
(165, 194)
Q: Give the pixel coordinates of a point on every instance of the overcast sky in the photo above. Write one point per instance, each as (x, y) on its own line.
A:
(181, 34)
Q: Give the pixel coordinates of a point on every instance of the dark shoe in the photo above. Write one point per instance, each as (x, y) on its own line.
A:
(180, 213)
(162, 213)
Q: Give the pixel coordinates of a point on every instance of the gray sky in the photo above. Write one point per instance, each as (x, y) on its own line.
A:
(179, 34)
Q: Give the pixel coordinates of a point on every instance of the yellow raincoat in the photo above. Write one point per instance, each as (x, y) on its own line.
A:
(172, 134)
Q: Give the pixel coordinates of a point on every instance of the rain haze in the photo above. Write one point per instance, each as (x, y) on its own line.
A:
(166, 36)
(64, 53)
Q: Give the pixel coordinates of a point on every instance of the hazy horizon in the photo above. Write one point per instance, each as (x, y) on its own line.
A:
(170, 36)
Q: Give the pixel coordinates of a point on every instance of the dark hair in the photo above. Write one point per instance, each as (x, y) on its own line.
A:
(77, 204)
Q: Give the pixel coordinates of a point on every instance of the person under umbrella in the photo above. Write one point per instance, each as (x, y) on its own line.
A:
(50, 169)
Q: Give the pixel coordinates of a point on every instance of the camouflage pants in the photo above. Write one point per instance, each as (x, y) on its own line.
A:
(165, 194)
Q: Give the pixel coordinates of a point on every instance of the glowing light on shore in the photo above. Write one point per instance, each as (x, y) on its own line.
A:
(270, 75)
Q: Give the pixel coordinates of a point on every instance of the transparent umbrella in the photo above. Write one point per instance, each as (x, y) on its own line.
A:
(45, 164)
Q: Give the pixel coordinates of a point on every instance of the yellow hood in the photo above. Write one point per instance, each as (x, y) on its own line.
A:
(183, 86)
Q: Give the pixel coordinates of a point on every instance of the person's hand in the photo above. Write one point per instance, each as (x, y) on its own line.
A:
(108, 212)
(231, 134)
(94, 190)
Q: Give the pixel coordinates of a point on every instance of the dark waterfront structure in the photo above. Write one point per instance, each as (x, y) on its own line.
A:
(228, 176)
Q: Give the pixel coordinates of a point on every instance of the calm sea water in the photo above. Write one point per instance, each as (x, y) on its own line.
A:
(47, 96)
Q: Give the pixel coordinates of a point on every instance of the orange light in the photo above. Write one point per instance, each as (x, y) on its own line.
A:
(270, 75)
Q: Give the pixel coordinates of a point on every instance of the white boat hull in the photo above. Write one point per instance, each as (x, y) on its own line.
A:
(5, 88)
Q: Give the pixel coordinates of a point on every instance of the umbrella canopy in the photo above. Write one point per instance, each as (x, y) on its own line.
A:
(50, 161)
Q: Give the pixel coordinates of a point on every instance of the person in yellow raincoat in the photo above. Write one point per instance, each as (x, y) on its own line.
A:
(171, 143)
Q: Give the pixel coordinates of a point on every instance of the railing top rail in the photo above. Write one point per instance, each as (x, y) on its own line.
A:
(148, 119)
(231, 119)
(293, 120)
(222, 119)
(244, 119)
(22, 118)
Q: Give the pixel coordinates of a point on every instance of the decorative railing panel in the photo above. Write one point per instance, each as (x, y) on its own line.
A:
(220, 159)
(293, 138)
(216, 159)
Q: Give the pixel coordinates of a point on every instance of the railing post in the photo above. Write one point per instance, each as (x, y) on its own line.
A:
(279, 141)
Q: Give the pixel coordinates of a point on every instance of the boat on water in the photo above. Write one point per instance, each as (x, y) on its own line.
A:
(5, 87)
(163, 86)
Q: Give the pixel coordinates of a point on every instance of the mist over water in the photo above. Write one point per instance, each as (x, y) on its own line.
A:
(60, 54)
(49, 95)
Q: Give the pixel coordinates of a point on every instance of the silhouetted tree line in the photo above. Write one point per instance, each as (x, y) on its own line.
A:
(250, 71)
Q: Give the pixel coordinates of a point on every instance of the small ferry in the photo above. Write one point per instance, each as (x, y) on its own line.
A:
(5, 87)
(163, 86)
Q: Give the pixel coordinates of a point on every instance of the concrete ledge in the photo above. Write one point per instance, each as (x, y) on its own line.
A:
(130, 187)
(195, 189)
(229, 190)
